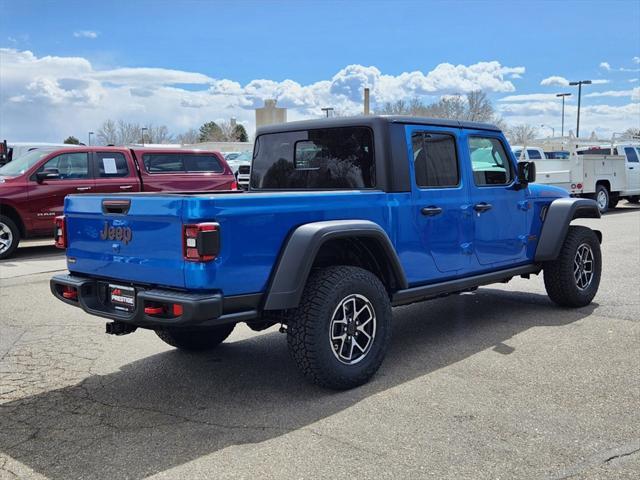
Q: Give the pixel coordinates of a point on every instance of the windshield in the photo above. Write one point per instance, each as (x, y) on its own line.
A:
(243, 157)
(23, 163)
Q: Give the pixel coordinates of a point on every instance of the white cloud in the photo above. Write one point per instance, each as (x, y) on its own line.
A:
(69, 96)
(634, 93)
(529, 97)
(635, 59)
(633, 80)
(86, 34)
(555, 80)
(605, 65)
(563, 82)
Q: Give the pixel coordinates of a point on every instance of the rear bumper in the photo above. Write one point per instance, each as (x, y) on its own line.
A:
(198, 309)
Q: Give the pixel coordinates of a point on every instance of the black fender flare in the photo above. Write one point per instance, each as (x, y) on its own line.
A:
(558, 217)
(297, 257)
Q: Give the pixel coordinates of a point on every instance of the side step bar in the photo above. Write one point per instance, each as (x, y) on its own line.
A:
(417, 294)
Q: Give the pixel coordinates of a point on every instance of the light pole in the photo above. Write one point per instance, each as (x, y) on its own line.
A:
(142, 132)
(553, 130)
(563, 95)
(327, 110)
(579, 83)
(90, 133)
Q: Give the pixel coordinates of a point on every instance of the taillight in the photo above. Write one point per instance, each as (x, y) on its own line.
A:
(234, 185)
(201, 242)
(60, 232)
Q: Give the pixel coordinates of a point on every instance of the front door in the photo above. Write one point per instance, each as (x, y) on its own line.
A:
(439, 197)
(498, 204)
(46, 199)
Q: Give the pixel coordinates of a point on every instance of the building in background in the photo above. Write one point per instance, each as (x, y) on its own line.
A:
(270, 114)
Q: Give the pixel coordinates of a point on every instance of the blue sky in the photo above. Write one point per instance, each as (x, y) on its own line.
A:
(310, 43)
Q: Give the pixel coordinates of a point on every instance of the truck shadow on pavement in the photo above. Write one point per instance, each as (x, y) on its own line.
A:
(174, 407)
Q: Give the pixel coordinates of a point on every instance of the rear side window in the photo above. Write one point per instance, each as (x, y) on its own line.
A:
(111, 165)
(181, 163)
(632, 156)
(69, 166)
(434, 159)
(534, 154)
(324, 158)
(202, 163)
(489, 161)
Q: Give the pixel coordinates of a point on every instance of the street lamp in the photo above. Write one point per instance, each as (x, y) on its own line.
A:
(142, 132)
(90, 133)
(579, 83)
(553, 130)
(563, 95)
(327, 110)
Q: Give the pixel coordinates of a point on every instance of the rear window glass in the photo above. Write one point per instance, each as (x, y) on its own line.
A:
(324, 158)
(181, 163)
(632, 156)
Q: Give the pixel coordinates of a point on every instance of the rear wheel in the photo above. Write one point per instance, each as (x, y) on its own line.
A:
(602, 198)
(340, 332)
(195, 340)
(572, 279)
(9, 237)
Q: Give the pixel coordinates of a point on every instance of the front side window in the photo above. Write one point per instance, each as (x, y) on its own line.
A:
(324, 158)
(632, 156)
(434, 159)
(112, 165)
(534, 154)
(69, 166)
(489, 161)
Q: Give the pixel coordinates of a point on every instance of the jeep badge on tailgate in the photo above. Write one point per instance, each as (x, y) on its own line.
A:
(109, 232)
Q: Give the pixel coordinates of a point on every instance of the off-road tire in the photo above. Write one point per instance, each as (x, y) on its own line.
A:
(308, 326)
(602, 190)
(195, 340)
(15, 236)
(559, 279)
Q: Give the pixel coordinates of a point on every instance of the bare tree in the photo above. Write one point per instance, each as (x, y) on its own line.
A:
(632, 133)
(128, 132)
(521, 134)
(189, 137)
(475, 106)
(108, 133)
(157, 134)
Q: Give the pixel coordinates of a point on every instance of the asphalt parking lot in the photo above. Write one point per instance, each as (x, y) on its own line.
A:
(496, 384)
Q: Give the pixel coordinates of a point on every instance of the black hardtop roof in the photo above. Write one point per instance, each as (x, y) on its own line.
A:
(371, 121)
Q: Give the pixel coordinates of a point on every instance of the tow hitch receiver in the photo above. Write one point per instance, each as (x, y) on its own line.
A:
(119, 328)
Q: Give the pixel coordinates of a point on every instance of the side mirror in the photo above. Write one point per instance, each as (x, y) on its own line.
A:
(49, 174)
(526, 172)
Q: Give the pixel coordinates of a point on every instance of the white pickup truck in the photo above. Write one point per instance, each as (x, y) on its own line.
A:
(604, 173)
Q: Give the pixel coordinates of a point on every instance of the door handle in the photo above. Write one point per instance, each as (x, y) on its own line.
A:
(630, 168)
(431, 211)
(125, 187)
(482, 207)
(82, 189)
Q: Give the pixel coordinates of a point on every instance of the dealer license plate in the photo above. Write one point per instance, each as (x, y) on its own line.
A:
(122, 298)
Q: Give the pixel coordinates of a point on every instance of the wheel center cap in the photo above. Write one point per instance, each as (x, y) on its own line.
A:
(351, 328)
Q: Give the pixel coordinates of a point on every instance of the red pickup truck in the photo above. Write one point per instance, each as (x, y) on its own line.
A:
(33, 186)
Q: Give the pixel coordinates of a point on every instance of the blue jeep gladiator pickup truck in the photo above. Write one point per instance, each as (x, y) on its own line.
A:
(344, 219)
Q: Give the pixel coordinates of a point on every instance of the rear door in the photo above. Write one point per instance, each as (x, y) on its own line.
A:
(499, 207)
(46, 199)
(439, 200)
(114, 173)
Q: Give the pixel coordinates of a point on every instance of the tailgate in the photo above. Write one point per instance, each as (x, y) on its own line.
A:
(137, 238)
